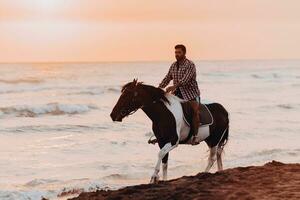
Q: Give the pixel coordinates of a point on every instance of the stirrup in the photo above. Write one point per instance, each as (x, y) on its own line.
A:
(194, 137)
(153, 141)
(150, 141)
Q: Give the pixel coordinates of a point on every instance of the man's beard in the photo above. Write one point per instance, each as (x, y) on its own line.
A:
(179, 58)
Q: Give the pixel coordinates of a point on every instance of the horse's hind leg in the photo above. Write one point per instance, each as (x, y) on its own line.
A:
(212, 158)
(219, 158)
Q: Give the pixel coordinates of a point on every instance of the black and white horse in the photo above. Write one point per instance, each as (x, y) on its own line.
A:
(168, 124)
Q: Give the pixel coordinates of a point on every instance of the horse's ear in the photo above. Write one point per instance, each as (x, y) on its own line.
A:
(135, 81)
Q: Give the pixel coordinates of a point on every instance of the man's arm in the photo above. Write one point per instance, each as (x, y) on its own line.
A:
(166, 80)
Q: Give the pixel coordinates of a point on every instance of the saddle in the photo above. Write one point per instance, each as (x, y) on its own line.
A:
(190, 109)
(204, 113)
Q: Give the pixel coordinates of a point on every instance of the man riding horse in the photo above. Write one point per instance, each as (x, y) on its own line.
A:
(183, 74)
(167, 113)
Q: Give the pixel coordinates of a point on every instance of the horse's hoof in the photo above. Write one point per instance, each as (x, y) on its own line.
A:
(154, 179)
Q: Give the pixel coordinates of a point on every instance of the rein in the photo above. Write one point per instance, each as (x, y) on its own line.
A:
(133, 111)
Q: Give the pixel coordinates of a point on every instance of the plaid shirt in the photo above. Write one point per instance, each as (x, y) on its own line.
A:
(185, 75)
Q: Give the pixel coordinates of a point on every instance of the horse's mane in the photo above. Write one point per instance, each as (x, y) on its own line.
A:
(155, 92)
(129, 85)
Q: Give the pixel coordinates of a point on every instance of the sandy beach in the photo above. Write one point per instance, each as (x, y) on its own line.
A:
(274, 180)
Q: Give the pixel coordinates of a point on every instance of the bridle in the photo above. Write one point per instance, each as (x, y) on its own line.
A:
(127, 112)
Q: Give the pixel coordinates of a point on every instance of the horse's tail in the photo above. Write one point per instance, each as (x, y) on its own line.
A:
(224, 139)
(225, 123)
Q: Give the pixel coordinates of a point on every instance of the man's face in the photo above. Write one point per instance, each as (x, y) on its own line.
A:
(179, 54)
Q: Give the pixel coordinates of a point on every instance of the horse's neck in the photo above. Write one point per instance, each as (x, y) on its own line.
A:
(154, 111)
(159, 110)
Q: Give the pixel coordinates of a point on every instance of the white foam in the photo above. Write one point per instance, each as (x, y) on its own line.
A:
(48, 109)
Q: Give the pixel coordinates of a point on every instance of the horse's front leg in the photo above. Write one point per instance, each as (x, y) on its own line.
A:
(166, 149)
(165, 167)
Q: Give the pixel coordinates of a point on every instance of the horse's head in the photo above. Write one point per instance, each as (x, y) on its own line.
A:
(130, 101)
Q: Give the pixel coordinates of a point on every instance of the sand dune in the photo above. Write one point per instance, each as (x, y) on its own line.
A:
(274, 180)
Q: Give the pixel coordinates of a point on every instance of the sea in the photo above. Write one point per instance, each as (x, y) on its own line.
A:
(57, 138)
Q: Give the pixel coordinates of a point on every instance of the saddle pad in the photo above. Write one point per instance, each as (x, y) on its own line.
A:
(203, 133)
(205, 115)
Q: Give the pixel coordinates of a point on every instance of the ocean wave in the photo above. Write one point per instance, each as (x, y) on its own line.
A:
(56, 128)
(36, 89)
(265, 76)
(35, 189)
(271, 153)
(70, 90)
(285, 106)
(256, 76)
(268, 152)
(282, 106)
(71, 192)
(116, 177)
(24, 195)
(96, 90)
(296, 85)
(37, 182)
(48, 109)
(88, 187)
(113, 89)
(22, 80)
(285, 152)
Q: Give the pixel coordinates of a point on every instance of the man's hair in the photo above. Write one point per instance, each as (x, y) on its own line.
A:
(181, 46)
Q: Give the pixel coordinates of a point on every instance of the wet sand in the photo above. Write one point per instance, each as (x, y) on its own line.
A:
(274, 180)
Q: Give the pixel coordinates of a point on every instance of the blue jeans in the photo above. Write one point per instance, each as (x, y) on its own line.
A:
(178, 94)
(198, 99)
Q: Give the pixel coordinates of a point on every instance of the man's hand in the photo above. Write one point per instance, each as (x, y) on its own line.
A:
(171, 88)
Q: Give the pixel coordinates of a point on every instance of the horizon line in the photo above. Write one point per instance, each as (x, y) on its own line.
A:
(138, 61)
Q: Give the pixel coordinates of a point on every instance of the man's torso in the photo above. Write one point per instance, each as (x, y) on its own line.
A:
(189, 90)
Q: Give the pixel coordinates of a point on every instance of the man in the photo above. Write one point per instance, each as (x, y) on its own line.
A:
(183, 74)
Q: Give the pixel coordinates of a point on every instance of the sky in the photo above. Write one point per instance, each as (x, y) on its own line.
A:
(135, 30)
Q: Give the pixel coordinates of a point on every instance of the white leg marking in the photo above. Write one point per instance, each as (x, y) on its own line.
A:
(166, 149)
(219, 158)
(165, 171)
(212, 158)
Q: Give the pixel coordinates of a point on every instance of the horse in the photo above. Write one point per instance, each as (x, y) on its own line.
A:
(166, 113)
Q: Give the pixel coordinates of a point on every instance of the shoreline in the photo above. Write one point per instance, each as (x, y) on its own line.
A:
(274, 180)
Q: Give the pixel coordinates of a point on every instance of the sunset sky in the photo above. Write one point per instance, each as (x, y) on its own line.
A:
(134, 30)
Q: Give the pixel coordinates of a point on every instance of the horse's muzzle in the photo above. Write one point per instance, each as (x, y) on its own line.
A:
(115, 117)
